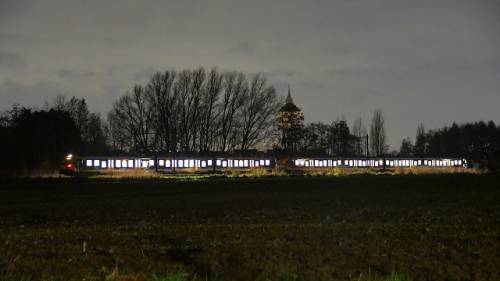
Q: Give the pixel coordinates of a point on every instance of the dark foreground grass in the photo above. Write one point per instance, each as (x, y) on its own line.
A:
(431, 227)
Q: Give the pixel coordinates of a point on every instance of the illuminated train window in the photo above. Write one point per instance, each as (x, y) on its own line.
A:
(151, 162)
(224, 164)
(167, 163)
(88, 163)
(118, 163)
(104, 164)
(241, 163)
(180, 163)
(204, 163)
(96, 163)
(217, 163)
(161, 163)
(245, 163)
(236, 164)
(209, 162)
(144, 164)
(191, 163)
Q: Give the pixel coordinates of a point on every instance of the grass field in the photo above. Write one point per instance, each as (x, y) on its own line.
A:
(404, 227)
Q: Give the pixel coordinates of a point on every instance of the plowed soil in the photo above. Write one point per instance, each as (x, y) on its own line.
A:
(432, 227)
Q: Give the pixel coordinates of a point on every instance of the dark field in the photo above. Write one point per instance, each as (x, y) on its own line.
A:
(444, 227)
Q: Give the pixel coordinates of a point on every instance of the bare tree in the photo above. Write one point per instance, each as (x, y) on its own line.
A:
(378, 140)
(359, 131)
(117, 133)
(133, 111)
(258, 114)
(162, 100)
(420, 148)
(406, 148)
(235, 89)
(194, 111)
(209, 114)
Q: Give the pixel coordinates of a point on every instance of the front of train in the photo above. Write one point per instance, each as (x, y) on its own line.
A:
(69, 165)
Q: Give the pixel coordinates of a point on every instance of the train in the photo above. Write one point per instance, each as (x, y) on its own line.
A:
(73, 165)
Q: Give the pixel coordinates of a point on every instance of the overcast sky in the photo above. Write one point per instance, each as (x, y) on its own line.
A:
(427, 61)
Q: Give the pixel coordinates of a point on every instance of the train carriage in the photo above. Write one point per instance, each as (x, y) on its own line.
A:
(195, 163)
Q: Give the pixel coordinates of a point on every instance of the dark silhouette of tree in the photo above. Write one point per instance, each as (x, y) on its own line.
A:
(90, 125)
(378, 141)
(37, 139)
(420, 148)
(359, 131)
(406, 149)
(479, 142)
(234, 90)
(315, 138)
(194, 111)
(258, 113)
(163, 104)
(341, 141)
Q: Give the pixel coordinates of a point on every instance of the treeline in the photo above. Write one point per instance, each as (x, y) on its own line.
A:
(477, 141)
(39, 138)
(187, 111)
(338, 139)
(194, 111)
(205, 111)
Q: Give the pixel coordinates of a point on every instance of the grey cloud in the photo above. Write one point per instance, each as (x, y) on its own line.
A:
(28, 95)
(75, 74)
(245, 48)
(9, 60)
(430, 61)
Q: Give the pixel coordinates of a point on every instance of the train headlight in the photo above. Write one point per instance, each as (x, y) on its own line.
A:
(69, 156)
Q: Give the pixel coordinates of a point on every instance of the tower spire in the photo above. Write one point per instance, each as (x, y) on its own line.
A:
(289, 96)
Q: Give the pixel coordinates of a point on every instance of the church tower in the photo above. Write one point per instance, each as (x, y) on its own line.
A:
(291, 123)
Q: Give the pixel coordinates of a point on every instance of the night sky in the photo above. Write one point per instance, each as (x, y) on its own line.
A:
(427, 61)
